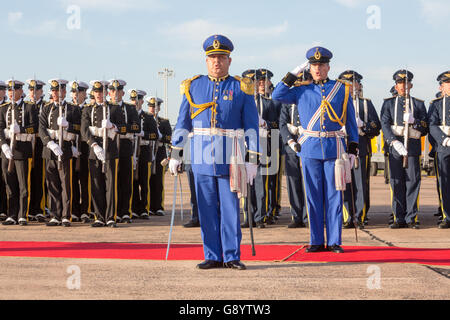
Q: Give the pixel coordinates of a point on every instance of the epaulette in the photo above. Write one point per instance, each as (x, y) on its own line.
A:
(28, 102)
(4, 104)
(390, 98)
(163, 119)
(420, 100)
(186, 84)
(301, 83)
(342, 81)
(48, 103)
(247, 85)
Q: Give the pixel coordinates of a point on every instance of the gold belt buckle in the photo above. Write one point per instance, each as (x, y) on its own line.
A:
(323, 134)
(214, 131)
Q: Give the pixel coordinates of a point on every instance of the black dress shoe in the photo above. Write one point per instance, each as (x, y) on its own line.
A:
(260, 225)
(111, 224)
(192, 224)
(413, 225)
(235, 265)
(53, 223)
(316, 248)
(126, 219)
(98, 224)
(295, 225)
(336, 249)
(348, 225)
(9, 222)
(246, 225)
(210, 264)
(23, 222)
(444, 225)
(397, 225)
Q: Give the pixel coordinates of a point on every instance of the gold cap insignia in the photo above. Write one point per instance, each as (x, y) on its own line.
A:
(74, 85)
(216, 44)
(11, 84)
(447, 75)
(116, 84)
(55, 83)
(317, 55)
(152, 101)
(348, 76)
(402, 75)
(32, 83)
(97, 85)
(133, 94)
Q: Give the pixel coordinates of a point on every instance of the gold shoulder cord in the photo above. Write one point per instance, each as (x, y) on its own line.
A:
(332, 114)
(201, 107)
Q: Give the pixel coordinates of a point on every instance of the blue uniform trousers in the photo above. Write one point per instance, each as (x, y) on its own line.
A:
(294, 184)
(323, 201)
(218, 210)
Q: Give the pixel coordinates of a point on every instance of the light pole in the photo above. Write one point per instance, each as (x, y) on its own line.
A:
(165, 75)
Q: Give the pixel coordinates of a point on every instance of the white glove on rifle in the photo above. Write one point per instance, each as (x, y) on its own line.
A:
(251, 169)
(292, 129)
(7, 151)
(62, 122)
(352, 159)
(174, 166)
(446, 142)
(408, 118)
(106, 124)
(300, 69)
(140, 134)
(359, 122)
(294, 146)
(262, 123)
(56, 149)
(14, 129)
(99, 152)
(400, 148)
(75, 152)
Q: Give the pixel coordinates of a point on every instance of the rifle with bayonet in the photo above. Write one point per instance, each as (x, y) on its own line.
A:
(356, 101)
(105, 130)
(60, 129)
(406, 130)
(137, 147)
(12, 143)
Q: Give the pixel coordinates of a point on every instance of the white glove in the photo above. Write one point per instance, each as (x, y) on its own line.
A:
(173, 166)
(62, 122)
(262, 123)
(294, 146)
(251, 169)
(55, 148)
(408, 118)
(99, 152)
(14, 129)
(359, 122)
(106, 124)
(292, 129)
(140, 134)
(75, 152)
(446, 142)
(7, 151)
(300, 69)
(400, 148)
(352, 159)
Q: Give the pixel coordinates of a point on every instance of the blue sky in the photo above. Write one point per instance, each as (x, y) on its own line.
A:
(135, 39)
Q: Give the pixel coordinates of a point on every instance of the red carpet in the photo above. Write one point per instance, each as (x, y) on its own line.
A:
(287, 253)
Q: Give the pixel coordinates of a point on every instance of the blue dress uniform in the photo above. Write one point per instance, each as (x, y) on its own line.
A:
(405, 183)
(370, 127)
(215, 105)
(324, 108)
(439, 116)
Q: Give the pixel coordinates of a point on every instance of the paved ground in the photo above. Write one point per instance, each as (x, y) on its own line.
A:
(37, 278)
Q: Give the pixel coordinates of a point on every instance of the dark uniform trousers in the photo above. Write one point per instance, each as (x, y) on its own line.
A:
(125, 184)
(38, 191)
(80, 186)
(294, 179)
(59, 185)
(3, 197)
(141, 183)
(17, 188)
(104, 187)
(157, 182)
(193, 198)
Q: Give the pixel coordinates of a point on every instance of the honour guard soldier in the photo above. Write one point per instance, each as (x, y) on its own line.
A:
(80, 180)
(290, 129)
(324, 107)
(404, 116)
(38, 196)
(3, 198)
(142, 155)
(220, 111)
(125, 173)
(440, 131)
(160, 158)
(59, 124)
(356, 196)
(101, 122)
(18, 125)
